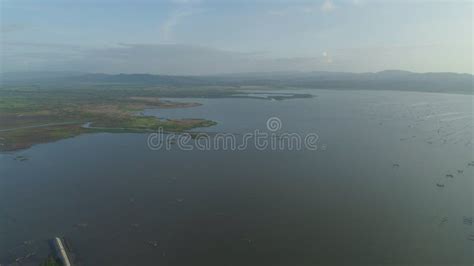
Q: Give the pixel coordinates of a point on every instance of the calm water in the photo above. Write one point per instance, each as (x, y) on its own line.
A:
(110, 196)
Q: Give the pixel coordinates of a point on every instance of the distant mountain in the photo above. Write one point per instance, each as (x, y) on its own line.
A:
(324, 75)
(139, 79)
(384, 80)
(37, 75)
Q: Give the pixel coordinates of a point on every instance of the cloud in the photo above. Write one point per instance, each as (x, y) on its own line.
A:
(12, 28)
(170, 59)
(279, 13)
(185, 9)
(179, 2)
(37, 45)
(168, 26)
(180, 59)
(359, 2)
(327, 6)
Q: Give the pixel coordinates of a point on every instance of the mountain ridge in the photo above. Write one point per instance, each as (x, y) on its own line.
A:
(383, 80)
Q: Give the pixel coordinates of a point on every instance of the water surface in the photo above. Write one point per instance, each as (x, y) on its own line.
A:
(370, 197)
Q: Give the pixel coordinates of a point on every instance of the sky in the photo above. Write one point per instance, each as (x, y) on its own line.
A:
(196, 37)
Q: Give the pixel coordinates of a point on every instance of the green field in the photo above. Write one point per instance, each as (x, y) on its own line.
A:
(31, 115)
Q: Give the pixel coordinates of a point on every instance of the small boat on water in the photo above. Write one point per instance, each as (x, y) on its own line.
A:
(439, 185)
(61, 251)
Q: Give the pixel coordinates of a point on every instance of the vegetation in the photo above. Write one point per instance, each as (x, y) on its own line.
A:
(47, 110)
(30, 115)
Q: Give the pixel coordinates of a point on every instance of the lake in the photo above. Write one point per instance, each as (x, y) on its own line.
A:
(392, 184)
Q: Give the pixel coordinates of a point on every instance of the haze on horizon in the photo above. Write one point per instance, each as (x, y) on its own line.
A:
(192, 37)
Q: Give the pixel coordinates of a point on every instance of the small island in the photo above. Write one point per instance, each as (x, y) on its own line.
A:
(41, 112)
(31, 118)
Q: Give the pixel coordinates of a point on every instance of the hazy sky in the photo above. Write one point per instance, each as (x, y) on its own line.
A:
(202, 37)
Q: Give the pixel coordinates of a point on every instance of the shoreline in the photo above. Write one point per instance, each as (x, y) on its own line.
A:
(106, 117)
